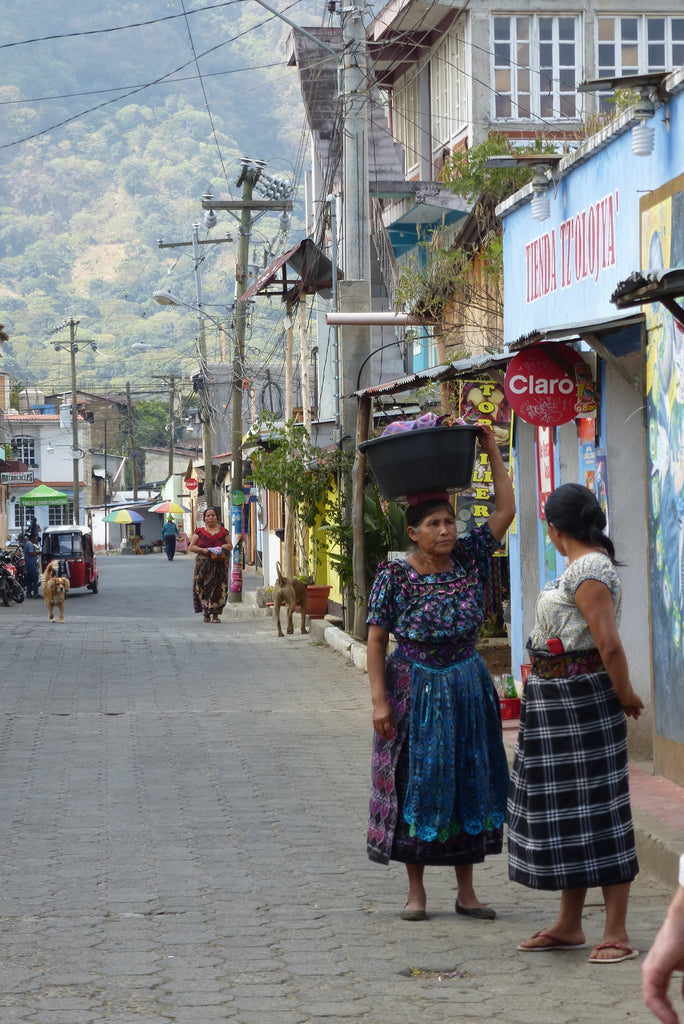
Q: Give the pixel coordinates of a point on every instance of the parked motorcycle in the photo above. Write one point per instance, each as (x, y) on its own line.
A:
(10, 587)
(16, 554)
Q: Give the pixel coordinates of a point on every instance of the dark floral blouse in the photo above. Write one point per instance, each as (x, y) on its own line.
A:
(436, 618)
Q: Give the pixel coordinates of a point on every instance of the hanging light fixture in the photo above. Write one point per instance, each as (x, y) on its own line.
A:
(643, 136)
(541, 204)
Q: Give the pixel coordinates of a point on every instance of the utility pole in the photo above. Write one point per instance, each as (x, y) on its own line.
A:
(201, 346)
(131, 443)
(170, 381)
(76, 452)
(355, 291)
(248, 178)
(247, 205)
(73, 349)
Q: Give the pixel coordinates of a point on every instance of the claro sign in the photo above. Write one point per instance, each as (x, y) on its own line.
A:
(581, 250)
(549, 384)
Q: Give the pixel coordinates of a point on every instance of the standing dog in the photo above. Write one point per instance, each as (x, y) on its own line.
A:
(290, 593)
(54, 591)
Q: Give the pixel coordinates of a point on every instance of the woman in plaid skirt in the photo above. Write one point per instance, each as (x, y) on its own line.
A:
(569, 813)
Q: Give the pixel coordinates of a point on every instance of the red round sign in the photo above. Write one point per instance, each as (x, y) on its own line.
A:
(191, 484)
(549, 384)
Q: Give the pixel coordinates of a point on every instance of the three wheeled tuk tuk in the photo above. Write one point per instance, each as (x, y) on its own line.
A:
(72, 545)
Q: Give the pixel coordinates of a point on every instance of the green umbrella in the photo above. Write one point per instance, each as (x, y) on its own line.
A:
(44, 495)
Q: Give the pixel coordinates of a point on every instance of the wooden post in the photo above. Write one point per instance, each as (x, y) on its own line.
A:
(288, 539)
(358, 537)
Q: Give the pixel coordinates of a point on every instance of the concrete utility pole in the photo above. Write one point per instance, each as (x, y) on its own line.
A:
(76, 452)
(355, 290)
(73, 349)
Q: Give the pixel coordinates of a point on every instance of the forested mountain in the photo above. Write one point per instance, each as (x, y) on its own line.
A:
(114, 120)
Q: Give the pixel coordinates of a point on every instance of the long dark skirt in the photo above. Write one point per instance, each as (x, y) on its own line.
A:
(478, 738)
(569, 814)
(210, 585)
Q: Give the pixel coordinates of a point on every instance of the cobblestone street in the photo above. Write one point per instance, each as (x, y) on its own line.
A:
(184, 811)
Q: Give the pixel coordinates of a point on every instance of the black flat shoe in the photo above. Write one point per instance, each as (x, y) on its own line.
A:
(481, 913)
(413, 915)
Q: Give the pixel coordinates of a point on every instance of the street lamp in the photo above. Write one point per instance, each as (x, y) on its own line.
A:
(73, 346)
(165, 298)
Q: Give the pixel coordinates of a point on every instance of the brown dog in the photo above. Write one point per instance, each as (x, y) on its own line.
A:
(290, 593)
(54, 591)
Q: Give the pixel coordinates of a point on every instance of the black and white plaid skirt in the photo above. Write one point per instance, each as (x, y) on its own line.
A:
(569, 813)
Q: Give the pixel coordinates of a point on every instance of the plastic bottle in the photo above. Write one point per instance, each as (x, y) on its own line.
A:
(510, 690)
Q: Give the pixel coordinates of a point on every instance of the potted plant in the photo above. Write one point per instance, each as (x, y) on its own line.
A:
(289, 464)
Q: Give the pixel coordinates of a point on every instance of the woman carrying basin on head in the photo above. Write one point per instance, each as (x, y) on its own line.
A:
(439, 770)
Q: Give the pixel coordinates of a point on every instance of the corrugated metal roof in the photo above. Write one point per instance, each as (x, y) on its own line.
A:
(436, 374)
(575, 332)
(313, 268)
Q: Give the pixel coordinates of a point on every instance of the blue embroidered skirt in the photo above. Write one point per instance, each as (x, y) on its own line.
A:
(438, 790)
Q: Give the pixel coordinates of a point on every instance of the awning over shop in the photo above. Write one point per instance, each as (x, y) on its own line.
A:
(664, 286)
(312, 267)
(437, 374)
(609, 339)
(576, 332)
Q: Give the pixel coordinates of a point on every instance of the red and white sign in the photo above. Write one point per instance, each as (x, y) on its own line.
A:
(191, 484)
(545, 473)
(549, 384)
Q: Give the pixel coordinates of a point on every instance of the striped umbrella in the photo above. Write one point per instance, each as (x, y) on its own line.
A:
(125, 516)
(171, 507)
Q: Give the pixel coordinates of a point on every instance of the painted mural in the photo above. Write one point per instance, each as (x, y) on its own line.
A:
(662, 246)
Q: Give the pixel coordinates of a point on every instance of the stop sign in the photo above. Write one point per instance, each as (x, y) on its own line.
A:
(191, 484)
(549, 384)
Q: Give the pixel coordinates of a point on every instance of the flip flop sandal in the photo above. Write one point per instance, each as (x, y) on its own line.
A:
(627, 953)
(553, 944)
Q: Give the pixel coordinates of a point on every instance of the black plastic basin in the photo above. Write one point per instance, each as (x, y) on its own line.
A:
(413, 461)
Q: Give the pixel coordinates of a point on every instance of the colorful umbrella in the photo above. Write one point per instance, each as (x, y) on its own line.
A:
(125, 516)
(169, 506)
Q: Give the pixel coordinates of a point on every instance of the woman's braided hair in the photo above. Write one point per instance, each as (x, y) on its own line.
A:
(575, 510)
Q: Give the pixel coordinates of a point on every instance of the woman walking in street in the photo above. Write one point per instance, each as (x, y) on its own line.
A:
(569, 814)
(211, 544)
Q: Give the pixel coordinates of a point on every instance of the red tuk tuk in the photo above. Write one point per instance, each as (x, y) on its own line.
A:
(73, 545)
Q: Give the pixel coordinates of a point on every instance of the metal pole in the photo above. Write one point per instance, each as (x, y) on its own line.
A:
(336, 341)
(201, 343)
(172, 389)
(73, 349)
(106, 524)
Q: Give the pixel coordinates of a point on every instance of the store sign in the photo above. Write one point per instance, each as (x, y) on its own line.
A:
(549, 384)
(17, 478)
(545, 473)
(582, 249)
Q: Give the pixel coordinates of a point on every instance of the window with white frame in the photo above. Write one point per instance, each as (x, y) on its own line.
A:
(536, 67)
(635, 45)
(60, 515)
(406, 119)
(25, 450)
(448, 89)
(22, 515)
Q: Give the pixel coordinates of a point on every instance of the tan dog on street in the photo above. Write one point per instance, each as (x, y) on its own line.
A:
(54, 591)
(290, 593)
